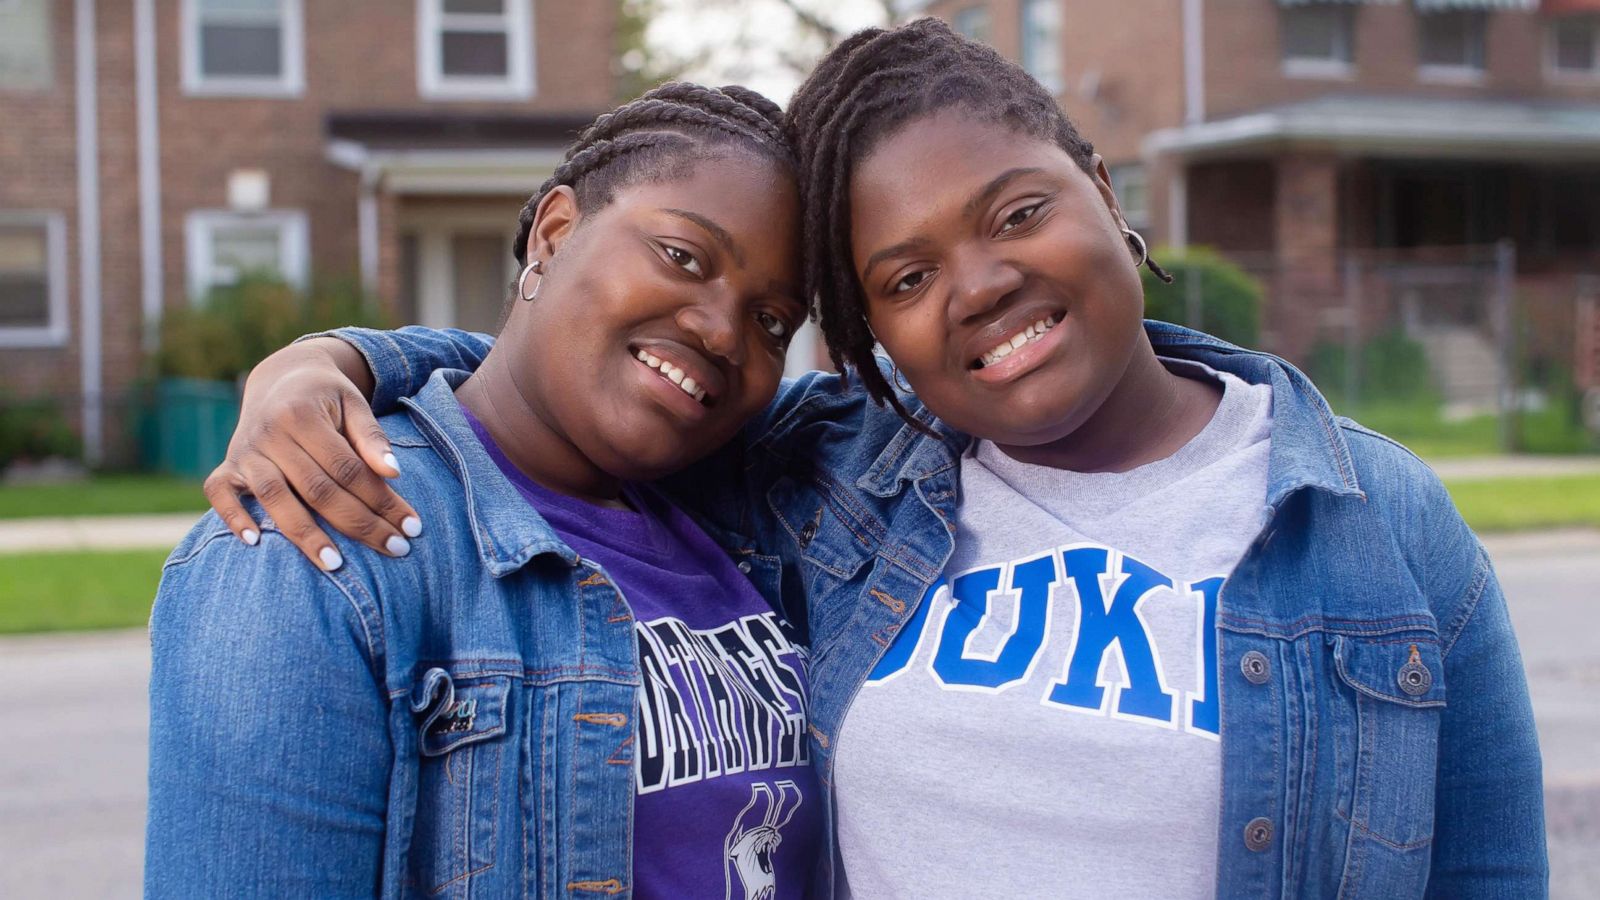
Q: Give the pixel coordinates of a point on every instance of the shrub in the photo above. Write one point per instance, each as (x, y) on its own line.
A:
(34, 429)
(1392, 368)
(1230, 300)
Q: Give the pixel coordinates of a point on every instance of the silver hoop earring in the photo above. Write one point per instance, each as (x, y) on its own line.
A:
(537, 268)
(894, 375)
(1135, 240)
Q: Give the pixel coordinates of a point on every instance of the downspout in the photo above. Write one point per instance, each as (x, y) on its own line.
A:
(150, 267)
(89, 232)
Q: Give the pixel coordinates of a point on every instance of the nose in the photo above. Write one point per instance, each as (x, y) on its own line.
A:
(979, 281)
(714, 321)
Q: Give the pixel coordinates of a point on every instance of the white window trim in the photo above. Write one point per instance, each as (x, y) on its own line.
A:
(55, 332)
(294, 244)
(1554, 73)
(433, 84)
(292, 82)
(1057, 82)
(1311, 67)
(1437, 74)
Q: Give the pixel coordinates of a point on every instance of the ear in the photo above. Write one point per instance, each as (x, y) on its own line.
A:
(1102, 181)
(553, 222)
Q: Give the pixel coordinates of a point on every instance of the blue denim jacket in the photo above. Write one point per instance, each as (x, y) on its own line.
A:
(455, 723)
(1377, 737)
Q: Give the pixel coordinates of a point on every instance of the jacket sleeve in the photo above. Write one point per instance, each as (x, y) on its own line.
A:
(401, 360)
(269, 746)
(1489, 835)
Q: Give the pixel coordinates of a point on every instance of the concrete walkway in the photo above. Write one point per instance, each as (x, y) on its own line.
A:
(152, 532)
(1477, 468)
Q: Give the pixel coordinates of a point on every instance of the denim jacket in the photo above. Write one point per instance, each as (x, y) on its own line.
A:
(455, 723)
(1377, 739)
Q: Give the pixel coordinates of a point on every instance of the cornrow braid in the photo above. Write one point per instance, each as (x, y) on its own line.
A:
(863, 90)
(642, 140)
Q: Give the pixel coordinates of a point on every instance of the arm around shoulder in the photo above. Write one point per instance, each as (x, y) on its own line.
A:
(269, 743)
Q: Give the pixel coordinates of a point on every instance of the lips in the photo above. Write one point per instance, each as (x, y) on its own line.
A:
(991, 343)
(1004, 348)
(684, 369)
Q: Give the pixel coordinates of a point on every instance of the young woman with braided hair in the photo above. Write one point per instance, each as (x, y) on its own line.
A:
(1098, 607)
(509, 708)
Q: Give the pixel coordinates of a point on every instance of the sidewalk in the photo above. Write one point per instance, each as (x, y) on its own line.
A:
(150, 532)
(1479, 468)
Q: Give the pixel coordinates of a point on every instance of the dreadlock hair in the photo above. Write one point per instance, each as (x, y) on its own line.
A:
(653, 137)
(863, 90)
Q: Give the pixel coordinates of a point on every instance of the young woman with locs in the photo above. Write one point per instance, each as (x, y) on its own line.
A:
(1097, 607)
(565, 688)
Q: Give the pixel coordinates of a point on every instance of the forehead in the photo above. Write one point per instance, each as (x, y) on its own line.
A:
(933, 165)
(728, 180)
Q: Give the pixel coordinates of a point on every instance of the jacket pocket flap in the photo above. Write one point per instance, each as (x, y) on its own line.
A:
(823, 537)
(462, 711)
(1408, 671)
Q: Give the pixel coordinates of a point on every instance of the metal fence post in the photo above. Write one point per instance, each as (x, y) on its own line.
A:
(1505, 273)
(1193, 300)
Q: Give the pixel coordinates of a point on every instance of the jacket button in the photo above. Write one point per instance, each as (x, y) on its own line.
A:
(1258, 834)
(1415, 679)
(807, 532)
(744, 566)
(1255, 667)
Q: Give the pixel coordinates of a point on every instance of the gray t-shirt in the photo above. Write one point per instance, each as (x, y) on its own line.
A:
(1047, 723)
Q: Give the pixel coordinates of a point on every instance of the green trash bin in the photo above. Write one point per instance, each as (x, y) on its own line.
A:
(188, 424)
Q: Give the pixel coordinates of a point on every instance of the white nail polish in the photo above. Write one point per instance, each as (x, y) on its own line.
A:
(251, 536)
(331, 560)
(411, 525)
(391, 462)
(397, 545)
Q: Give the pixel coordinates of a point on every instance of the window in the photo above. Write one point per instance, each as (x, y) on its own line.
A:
(474, 49)
(1041, 42)
(972, 22)
(1317, 40)
(25, 45)
(1574, 47)
(1132, 187)
(243, 47)
(33, 279)
(225, 246)
(1452, 44)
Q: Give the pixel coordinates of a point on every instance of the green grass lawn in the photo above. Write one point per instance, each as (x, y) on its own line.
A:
(1513, 504)
(102, 495)
(78, 590)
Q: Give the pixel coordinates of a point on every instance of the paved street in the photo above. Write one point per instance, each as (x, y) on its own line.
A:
(72, 767)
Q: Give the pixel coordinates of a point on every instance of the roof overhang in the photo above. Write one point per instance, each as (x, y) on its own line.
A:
(412, 153)
(1392, 126)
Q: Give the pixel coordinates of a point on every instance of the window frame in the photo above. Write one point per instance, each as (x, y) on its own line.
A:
(56, 330)
(1556, 73)
(291, 80)
(1122, 174)
(1022, 50)
(1319, 66)
(200, 229)
(519, 82)
(47, 78)
(1456, 73)
(974, 11)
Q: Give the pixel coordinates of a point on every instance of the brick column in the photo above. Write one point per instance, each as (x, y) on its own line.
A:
(1306, 233)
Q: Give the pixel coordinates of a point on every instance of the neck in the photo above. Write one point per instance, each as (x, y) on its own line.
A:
(1148, 416)
(523, 431)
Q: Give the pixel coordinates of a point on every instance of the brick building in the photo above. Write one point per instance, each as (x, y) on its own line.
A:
(150, 149)
(1296, 135)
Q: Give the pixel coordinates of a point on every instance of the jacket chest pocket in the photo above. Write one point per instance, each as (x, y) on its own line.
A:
(1388, 742)
(461, 723)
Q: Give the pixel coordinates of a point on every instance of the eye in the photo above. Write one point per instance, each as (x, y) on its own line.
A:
(911, 281)
(773, 325)
(683, 259)
(1019, 217)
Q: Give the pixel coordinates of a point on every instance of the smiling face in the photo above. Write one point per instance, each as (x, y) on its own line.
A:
(662, 319)
(996, 276)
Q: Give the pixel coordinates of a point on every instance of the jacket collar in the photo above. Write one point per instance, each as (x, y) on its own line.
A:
(1308, 446)
(507, 530)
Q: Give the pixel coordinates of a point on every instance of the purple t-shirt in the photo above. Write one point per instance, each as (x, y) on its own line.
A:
(726, 803)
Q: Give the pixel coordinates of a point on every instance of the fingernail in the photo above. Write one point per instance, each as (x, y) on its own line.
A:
(251, 536)
(397, 545)
(391, 462)
(411, 525)
(330, 557)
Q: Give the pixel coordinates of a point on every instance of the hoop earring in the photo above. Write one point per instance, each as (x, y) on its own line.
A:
(894, 376)
(1136, 241)
(536, 267)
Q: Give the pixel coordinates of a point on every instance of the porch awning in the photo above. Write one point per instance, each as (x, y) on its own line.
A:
(431, 153)
(1447, 5)
(1397, 126)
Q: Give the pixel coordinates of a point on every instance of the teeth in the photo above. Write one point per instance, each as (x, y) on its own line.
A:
(673, 374)
(1032, 332)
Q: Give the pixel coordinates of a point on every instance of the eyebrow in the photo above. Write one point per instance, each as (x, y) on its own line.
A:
(980, 198)
(713, 229)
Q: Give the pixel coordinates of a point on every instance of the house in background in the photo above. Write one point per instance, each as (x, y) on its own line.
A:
(151, 149)
(1301, 137)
